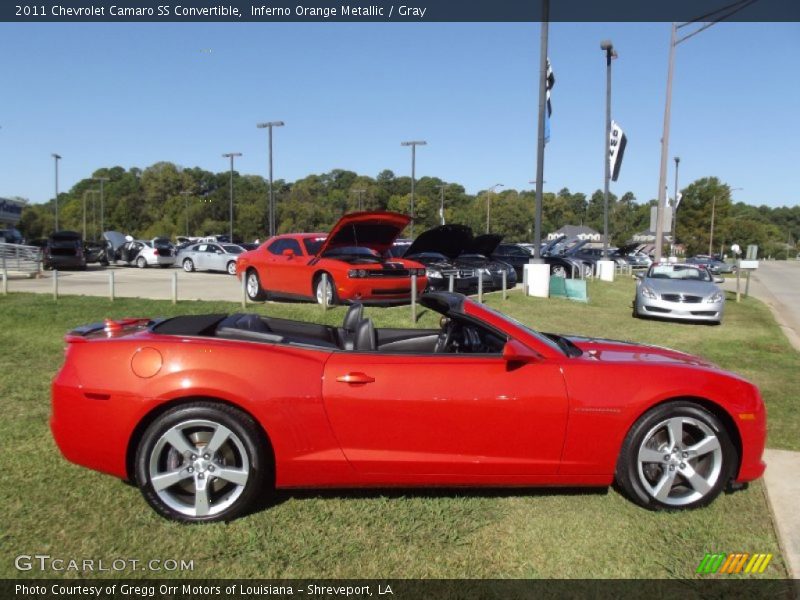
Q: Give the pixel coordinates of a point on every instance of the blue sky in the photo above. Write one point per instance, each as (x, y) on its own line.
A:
(133, 94)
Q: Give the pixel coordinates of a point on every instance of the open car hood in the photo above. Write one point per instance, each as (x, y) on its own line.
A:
(484, 244)
(375, 230)
(450, 240)
(115, 238)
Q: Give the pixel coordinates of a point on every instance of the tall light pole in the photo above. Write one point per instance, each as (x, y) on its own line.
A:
(231, 155)
(675, 206)
(360, 194)
(489, 203)
(611, 54)
(102, 180)
(186, 194)
(271, 209)
(441, 201)
(413, 145)
(56, 157)
(85, 193)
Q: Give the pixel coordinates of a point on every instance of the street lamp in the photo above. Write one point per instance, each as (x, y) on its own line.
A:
(488, 203)
(360, 194)
(271, 210)
(56, 157)
(441, 201)
(186, 194)
(102, 180)
(611, 54)
(675, 206)
(413, 145)
(231, 155)
(711, 229)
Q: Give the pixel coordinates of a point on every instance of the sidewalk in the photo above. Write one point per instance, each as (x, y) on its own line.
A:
(782, 478)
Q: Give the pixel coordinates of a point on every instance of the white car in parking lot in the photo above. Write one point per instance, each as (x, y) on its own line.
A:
(210, 257)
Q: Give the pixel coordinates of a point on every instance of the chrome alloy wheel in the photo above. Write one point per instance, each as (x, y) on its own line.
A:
(328, 292)
(199, 468)
(253, 286)
(679, 461)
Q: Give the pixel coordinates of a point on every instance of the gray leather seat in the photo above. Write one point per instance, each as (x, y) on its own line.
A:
(352, 318)
(366, 338)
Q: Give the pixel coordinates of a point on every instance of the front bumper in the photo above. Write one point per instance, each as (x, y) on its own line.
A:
(384, 290)
(665, 309)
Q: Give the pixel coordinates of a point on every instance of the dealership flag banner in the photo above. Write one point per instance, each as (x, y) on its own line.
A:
(616, 149)
(550, 82)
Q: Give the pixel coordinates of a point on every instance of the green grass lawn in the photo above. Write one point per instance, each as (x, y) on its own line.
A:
(53, 507)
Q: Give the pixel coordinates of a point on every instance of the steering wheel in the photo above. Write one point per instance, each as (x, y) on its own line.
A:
(445, 337)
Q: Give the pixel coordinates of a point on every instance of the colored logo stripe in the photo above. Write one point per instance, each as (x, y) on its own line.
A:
(734, 563)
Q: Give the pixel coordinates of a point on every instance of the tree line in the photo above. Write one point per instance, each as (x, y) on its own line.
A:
(167, 200)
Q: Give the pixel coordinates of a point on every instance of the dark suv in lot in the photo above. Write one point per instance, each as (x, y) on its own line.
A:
(64, 250)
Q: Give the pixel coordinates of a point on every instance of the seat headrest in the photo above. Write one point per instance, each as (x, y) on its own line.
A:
(365, 337)
(353, 316)
(252, 323)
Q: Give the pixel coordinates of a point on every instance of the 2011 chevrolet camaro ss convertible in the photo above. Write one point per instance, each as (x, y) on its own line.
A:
(209, 414)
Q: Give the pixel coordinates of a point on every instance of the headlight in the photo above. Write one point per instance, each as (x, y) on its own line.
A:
(433, 274)
(356, 273)
(716, 297)
(486, 271)
(649, 293)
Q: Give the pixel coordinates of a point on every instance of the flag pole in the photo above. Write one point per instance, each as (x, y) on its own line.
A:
(537, 235)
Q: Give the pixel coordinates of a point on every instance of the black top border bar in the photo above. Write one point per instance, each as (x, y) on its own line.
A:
(276, 11)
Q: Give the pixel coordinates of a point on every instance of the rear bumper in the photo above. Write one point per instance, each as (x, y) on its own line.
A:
(65, 262)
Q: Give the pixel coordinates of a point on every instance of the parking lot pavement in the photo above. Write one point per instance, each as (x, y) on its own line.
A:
(130, 282)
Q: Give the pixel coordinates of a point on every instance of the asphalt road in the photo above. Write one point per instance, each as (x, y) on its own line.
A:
(130, 282)
(777, 283)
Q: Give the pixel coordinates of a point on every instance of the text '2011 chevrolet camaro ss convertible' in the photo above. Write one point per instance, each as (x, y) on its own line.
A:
(210, 414)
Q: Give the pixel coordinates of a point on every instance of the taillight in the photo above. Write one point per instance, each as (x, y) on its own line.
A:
(155, 251)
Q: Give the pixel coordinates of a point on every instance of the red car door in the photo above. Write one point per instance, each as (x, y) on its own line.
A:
(278, 266)
(465, 417)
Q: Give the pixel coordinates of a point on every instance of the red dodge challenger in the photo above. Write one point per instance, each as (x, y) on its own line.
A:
(209, 414)
(352, 255)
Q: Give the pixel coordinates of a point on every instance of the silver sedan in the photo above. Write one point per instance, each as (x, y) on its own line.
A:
(679, 291)
(209, 257)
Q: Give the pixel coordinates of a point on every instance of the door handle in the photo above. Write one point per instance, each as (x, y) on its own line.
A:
(355, 378)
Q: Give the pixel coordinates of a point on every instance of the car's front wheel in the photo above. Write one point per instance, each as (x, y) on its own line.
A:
(558, 271)
(676, 456)
(325, 291)
(231, 268)
(188, 265)
(202, 462)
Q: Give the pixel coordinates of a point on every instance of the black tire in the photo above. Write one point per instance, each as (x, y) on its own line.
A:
(658, 476)
(254, 290)
(188, 265)
(141, 262)
(242, 456)
(231, 267)
(333, 298)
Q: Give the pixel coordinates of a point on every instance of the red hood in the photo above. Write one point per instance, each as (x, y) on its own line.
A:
(375, 230)
(615, 351)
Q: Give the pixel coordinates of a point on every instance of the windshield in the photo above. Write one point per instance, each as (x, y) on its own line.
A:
(681, 272)
(232, 249)
(532, 332)
(350, 251)
(313, 244)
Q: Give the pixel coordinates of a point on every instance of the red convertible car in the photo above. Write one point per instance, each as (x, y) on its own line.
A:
(209, 414)
(353, 256)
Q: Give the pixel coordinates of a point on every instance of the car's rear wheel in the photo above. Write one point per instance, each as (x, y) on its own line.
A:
(320, 292)
(188, 265)
(141, 262)
(253, 286)
(231, 268)
(202, 462)
(676, 456)
(558, 271)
